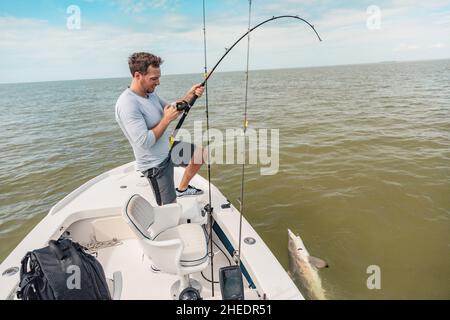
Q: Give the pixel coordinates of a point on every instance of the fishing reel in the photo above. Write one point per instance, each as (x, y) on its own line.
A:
(182, 105)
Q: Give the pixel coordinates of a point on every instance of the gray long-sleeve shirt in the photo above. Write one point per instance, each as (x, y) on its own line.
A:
(136, 117)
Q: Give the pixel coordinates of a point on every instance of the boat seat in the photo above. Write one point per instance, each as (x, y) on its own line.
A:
(195, 251)
(147, 221)
(173, 248)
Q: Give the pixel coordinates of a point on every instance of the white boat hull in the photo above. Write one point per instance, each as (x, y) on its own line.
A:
(91, 215)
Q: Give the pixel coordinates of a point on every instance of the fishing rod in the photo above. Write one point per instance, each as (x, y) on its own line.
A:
(186, 106)
(208, 207)
(241, 202)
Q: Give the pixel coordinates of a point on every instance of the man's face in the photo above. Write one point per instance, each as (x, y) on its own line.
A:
(150, 80)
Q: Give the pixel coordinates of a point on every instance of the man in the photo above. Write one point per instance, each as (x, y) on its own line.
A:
(144, 117)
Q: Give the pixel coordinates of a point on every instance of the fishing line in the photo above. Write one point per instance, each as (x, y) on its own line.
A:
(187, 105)
(241, 209)
(208, 207)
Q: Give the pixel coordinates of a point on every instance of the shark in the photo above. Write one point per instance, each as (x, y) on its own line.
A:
(303, 268)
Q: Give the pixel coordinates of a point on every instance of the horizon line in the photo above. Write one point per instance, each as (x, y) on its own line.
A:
(264, 69)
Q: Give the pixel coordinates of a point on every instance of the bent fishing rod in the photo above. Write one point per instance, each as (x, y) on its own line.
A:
(186, 106)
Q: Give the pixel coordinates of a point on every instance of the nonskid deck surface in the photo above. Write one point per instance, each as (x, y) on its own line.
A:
(141, 283)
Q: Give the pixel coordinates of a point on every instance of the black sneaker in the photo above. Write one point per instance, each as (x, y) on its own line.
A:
(190, 191)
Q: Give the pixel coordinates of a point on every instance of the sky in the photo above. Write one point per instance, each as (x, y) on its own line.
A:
(47, 40)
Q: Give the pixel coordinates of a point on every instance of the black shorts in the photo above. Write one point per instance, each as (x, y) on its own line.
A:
(161, 177)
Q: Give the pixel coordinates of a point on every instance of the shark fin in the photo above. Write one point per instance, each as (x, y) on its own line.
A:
(317, 262)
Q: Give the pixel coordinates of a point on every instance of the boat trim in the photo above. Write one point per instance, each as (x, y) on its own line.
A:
(223, 238)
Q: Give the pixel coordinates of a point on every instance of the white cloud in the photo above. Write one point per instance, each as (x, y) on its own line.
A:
(438, 45)
(407, 47)
(134, 7)
(440, 18)
(139, 6)
(34, 50)
(420, 4)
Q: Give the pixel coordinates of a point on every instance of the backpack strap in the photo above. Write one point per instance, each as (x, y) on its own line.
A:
(27, 277)
(24, 263)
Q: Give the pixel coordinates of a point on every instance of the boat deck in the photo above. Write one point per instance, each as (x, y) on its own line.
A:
(141, 283)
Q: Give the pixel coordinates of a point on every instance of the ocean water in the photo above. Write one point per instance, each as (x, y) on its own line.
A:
(364, 163)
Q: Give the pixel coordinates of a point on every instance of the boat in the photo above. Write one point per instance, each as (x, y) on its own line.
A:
(96, 216)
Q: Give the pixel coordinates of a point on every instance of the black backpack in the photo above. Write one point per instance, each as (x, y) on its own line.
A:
(62, 271)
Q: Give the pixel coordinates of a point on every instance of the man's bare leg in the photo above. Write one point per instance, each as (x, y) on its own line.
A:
(193, 167)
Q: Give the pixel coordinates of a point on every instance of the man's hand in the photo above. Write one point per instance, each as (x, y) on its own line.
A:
(170, 113)
(197, 89)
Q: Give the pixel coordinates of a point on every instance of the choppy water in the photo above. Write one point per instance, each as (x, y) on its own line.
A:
(364, 171)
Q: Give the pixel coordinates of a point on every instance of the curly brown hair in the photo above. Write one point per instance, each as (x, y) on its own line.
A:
(140, 61)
